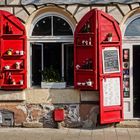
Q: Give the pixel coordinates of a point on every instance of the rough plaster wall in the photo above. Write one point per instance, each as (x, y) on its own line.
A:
(113, 11)
(71, 8)
(135, 5)
(20, 13)
(81, 12)
(13, 2)
(125, 9)
(6, 9)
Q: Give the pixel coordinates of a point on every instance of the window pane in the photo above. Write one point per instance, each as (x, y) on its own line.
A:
(52, 57)
(61, 27)
(133, 29)
(42, 27)
(36, 64)
(68, 64)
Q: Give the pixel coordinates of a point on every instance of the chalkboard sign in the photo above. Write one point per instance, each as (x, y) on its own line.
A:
(111, 63)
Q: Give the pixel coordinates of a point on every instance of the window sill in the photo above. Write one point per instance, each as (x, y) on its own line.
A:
(39, 87)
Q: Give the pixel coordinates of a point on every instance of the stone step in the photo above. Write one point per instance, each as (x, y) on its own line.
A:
(129, 124)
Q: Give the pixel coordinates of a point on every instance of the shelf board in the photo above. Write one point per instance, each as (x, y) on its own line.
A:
(11, 85)
(13, 69)
(12, 35)
(14, 55)
(84, 46)
(84, 70)
(85, 87)
(88, 33)
(110, 42)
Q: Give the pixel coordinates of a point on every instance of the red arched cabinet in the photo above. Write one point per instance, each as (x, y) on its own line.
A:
(85, 53)
(98, 62)
(13, 57)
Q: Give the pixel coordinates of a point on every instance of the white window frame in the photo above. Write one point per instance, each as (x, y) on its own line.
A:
(128, 43)
(47, 39)
(49, 14)
(124, 27)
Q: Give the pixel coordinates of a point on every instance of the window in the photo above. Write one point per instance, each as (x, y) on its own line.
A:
(43, 27)
(133, 29)
(56, 50)
(52, 25)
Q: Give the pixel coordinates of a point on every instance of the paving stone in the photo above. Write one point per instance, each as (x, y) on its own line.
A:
(69, 134)
(129, 124)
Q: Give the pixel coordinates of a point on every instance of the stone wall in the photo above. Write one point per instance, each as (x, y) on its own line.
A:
(41, 113)
(36, 106)
(75, 116)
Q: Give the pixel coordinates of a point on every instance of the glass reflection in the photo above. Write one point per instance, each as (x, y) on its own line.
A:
(44, 27)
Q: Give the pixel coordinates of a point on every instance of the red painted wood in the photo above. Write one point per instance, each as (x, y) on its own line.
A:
(58, 114)
(100, 25)
(13, 65)
(107, 24)
(85, 53)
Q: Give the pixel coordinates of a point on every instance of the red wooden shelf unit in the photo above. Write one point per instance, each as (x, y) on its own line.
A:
(13, 53)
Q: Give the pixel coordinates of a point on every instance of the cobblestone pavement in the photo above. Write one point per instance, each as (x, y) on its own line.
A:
(69, 134)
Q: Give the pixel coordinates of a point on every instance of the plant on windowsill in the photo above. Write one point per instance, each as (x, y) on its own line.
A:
(51, 79)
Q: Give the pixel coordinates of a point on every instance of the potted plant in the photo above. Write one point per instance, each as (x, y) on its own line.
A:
(51, 78)
(109, 37)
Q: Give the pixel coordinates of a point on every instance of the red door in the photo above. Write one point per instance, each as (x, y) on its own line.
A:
(13, 52)
(110, 69)
(106, 53)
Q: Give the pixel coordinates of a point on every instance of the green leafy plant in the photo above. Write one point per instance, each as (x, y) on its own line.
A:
(51, 75)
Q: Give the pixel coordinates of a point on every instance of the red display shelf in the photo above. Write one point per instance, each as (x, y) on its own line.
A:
(102, 32)
(13, 52)
(85, 53)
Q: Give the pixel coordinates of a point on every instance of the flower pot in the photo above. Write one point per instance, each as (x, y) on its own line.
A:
(53, 85)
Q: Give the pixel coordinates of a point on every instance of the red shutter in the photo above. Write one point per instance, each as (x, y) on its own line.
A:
(106, 73)
(85, 53)
(13, 52)
(110, 69)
